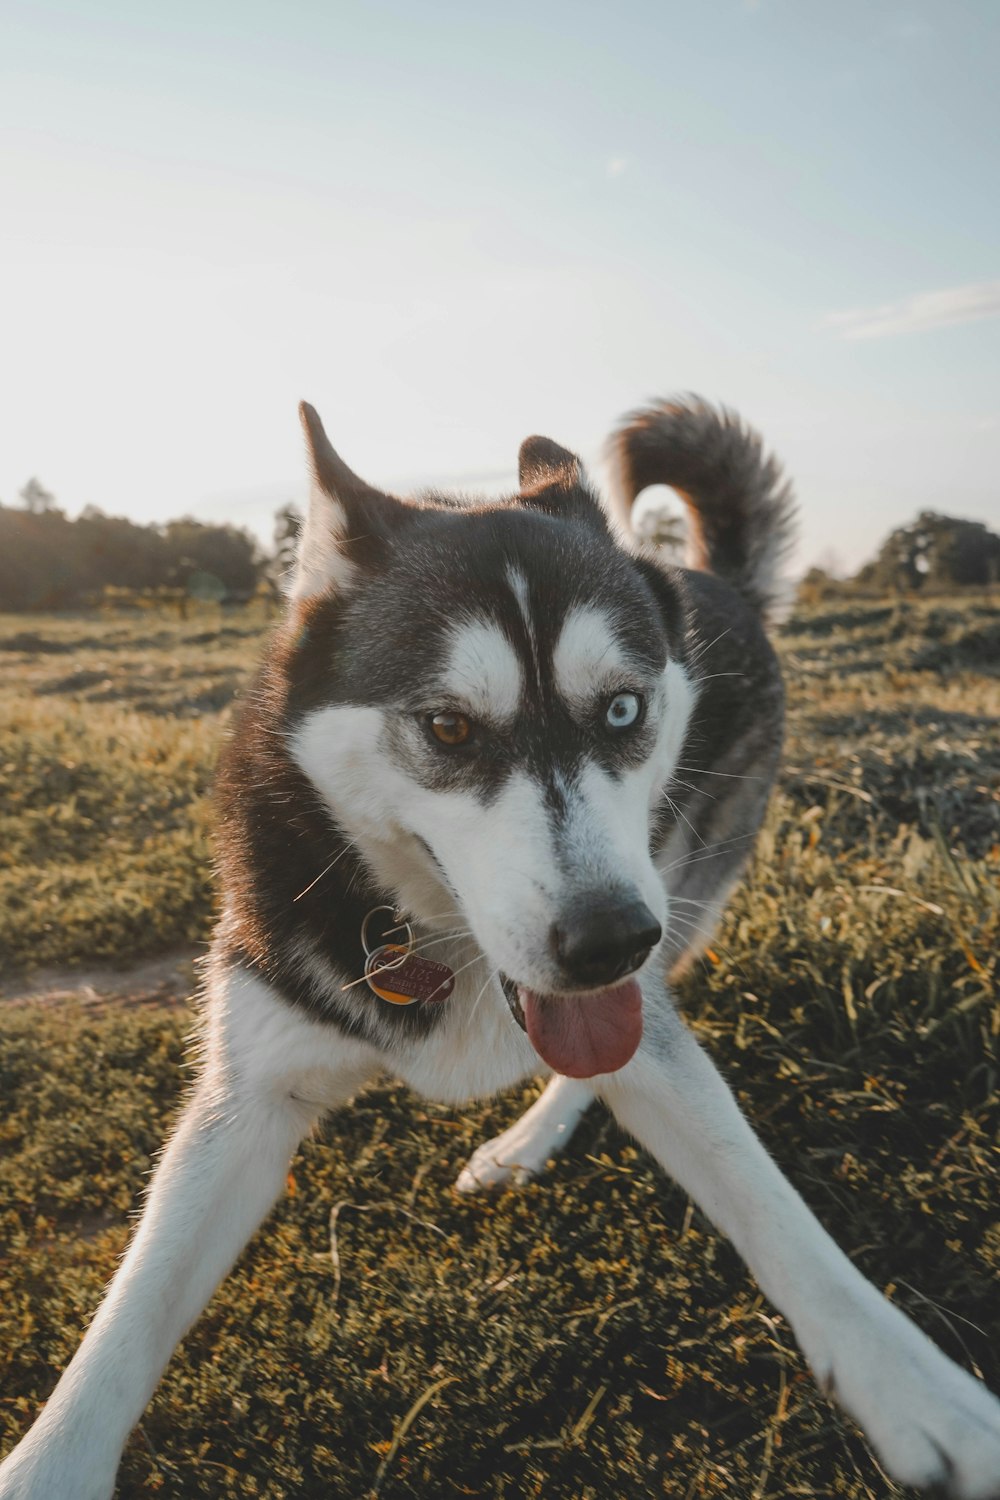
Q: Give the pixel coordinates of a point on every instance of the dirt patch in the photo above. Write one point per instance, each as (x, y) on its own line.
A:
(170, 979)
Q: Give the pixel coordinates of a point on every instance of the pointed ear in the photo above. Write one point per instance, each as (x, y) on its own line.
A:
(329, 471)
(541, 462)
(554, 480)
(346, 520)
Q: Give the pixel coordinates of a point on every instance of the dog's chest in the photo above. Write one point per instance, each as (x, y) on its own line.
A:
(477, 1050)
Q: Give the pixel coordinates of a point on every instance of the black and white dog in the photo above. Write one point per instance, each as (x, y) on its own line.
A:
(483, 798)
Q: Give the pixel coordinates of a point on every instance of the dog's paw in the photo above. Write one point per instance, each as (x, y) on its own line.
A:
(932, 1425)
(510, 1160)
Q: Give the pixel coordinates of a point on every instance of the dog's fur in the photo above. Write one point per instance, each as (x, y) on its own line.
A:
(541, 860)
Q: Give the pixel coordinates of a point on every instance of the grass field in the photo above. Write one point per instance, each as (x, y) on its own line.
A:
(589, 1336)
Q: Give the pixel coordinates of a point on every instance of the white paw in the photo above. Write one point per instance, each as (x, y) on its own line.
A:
(930, 1423)
(511, 1160)
(523, 1151)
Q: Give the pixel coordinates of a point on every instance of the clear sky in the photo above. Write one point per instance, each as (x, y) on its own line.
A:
(451, 224)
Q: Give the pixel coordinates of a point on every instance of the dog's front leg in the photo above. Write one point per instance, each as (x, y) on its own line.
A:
(521, 1152)
(929, 1421)
(219, 1176)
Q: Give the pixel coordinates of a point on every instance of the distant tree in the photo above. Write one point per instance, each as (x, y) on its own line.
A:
(666, 529)
(38, 562)
(50, 562)
(935, 551)
(287, 530)
(36, 498)
(223, 559)
(816, 585)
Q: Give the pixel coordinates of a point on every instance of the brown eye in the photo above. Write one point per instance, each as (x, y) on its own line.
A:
(451, 729)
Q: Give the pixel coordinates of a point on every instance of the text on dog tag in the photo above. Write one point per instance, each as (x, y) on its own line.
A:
(404, 979)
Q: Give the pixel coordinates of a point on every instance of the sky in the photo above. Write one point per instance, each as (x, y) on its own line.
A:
(448, 225)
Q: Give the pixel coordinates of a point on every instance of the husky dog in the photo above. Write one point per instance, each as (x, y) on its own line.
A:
(485, 769)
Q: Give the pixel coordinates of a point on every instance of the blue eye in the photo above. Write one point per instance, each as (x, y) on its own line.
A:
(623, 711)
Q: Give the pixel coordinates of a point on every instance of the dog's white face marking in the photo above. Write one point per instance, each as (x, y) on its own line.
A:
(482, 671)
(519, 588)
(680, 693)
(507, 863)
(588, 656)
(320, 562)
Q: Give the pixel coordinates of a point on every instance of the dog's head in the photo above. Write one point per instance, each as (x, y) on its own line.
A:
(490, 698)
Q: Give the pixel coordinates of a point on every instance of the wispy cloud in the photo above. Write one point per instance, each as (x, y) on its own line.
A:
(917, 314)
(614, 166)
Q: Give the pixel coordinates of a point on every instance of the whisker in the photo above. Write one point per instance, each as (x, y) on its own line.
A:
(701, 650)
(434, 916)
(447, 937)
(729, 775)
(698, 791)
(682, 921)
(350, 844)
(493, 974)
(678, 814)
(352, 982)
(709, 852)
(480, 958)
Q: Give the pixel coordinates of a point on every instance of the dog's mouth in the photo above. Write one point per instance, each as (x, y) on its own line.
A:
(580, 1034)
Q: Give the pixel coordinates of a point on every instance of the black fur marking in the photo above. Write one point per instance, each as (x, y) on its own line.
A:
(385, 643)
(736, 729)
(513, 1000)
(292, 879)
(294, 883)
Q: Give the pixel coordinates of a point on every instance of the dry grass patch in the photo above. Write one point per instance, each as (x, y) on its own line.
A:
(591, 1335)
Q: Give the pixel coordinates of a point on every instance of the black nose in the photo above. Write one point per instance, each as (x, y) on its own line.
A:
(603, 940)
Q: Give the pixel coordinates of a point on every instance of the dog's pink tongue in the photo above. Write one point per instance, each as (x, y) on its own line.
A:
(581, 1035)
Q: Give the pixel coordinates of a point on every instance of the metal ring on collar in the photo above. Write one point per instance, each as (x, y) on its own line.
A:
(409, 936)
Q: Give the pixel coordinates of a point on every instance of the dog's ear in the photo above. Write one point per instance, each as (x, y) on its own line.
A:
(347, 521)
(554, 480)
(541, 462)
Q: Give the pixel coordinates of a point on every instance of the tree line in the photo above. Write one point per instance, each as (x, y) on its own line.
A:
(48, 561)
(933, 553)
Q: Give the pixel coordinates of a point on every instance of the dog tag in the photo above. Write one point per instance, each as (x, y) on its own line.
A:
(403, 978)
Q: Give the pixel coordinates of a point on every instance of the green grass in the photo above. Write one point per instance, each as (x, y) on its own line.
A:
(590, 1335)
(108, 734)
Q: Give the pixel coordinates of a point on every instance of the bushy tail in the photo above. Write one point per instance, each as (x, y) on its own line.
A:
(739, 504)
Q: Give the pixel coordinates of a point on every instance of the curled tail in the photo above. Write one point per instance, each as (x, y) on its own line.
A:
(739, 504)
